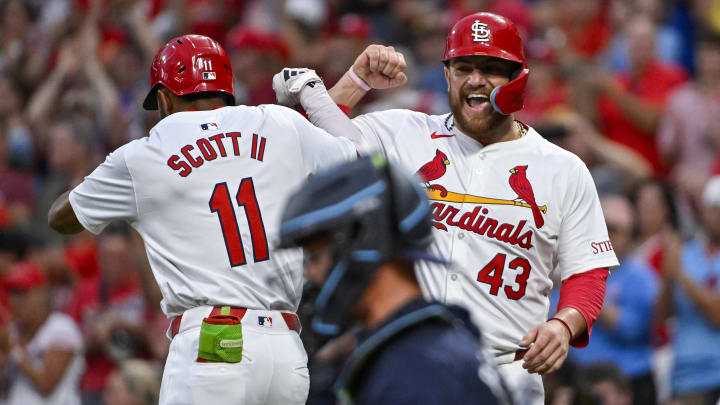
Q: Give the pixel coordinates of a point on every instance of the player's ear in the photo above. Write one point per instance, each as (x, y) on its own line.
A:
(164, 102)
(447, 76)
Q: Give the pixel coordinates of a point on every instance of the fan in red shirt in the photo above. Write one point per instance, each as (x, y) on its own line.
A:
(630, 107)
(110, 309)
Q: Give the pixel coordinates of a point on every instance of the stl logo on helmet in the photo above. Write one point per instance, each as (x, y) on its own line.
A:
(480, 32)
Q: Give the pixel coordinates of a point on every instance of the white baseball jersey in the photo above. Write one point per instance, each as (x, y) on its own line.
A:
(506, 215)
(205, 191)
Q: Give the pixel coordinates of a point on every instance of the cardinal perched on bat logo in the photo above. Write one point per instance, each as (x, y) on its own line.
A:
(433, 170)
(520, 184)
(444, 214)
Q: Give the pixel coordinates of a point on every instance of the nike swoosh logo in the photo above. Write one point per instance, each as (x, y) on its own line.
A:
(435, 135)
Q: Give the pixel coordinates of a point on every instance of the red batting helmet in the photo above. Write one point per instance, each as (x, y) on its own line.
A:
(492, 35)
(190, 64)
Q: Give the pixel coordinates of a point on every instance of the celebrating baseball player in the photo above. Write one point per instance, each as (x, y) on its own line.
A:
(205, 191)
(508, 207)
(363, 225)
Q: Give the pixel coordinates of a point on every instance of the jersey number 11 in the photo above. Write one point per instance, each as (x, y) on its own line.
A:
(221, 204)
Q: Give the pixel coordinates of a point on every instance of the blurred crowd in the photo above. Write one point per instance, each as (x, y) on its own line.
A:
(630, 86)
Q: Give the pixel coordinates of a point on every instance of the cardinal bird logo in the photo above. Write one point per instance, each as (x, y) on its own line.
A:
(520, 184)
(433, 170)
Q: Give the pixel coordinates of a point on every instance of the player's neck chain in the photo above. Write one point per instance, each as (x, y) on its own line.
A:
(450, 125)
(521, 128)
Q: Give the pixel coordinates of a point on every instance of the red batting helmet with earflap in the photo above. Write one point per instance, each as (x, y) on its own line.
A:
(190, 64)
(493, 35)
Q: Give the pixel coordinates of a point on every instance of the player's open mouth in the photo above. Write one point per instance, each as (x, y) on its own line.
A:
(478, 102)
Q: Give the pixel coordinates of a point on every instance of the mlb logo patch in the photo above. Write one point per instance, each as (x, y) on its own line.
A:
(209, 126)
(208, 75)
(265, 321)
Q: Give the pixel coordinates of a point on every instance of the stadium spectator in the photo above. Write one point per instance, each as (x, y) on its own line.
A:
(45, 347)
(69, 156)
(16, 27)
(17, 196)
(689, 134)
(603, 384)
(615, 168)
(350, 34)
(110, 309)
(579, 31)
(135, 382)
(254, 56)
(669, 39)
(51, 258)
(13, 248)
(691, 292)
(70, 71)
(655, 212)
(630, 105)
(623, 331)
(431, 35)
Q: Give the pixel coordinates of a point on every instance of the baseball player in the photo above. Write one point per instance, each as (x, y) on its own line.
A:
(363, 225)
(205, 190)
(508, 207)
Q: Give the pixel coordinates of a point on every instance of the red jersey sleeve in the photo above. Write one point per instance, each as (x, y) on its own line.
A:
(585, 292)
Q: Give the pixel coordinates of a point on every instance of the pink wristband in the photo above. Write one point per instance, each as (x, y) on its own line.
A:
(360, 82)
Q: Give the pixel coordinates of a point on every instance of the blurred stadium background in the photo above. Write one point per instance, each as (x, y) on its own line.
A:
(631, 86)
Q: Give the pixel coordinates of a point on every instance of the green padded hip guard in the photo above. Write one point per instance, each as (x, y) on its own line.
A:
(221, 339)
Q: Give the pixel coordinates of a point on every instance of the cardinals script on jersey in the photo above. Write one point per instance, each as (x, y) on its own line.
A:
(506, 214)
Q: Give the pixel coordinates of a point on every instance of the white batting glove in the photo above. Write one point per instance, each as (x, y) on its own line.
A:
(290, 81)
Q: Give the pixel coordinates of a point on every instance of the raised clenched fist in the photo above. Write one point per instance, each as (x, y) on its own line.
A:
(381, 67)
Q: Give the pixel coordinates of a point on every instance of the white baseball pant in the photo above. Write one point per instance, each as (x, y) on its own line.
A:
(525, 388)
(273, 369)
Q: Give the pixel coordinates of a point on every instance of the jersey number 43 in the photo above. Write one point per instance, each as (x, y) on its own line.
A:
(492, 274)
(222, 205)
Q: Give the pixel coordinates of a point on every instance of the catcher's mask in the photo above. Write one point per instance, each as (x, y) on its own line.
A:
(371, 212)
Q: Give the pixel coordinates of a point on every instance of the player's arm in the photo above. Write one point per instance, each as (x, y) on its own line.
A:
(318, 148)
(303, 87)
(106, 195)
(584, 256)
(377, 67)
(581, 298)
(550, 341)
(61, 216)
